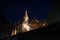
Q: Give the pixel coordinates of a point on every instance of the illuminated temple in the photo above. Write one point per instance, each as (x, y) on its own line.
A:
(27, 25)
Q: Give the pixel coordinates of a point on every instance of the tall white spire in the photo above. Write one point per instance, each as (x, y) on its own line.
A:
(26, 13)
(26, 16)
(25, 25)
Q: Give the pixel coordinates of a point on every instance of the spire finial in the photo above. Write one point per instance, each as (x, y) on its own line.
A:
(26, 13)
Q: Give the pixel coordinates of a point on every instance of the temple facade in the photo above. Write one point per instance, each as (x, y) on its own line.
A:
(27, 25)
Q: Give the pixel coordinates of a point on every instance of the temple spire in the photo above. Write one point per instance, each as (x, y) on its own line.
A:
(26, 13)
(26, 16)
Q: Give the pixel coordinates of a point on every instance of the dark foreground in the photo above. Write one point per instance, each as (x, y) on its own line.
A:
(50, 32)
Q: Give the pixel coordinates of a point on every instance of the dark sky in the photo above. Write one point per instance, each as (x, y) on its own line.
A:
(14, 10)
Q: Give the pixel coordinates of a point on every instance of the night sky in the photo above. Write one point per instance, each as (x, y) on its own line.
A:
(14, 10)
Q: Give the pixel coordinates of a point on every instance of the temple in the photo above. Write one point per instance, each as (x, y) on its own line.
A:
(28, 25)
